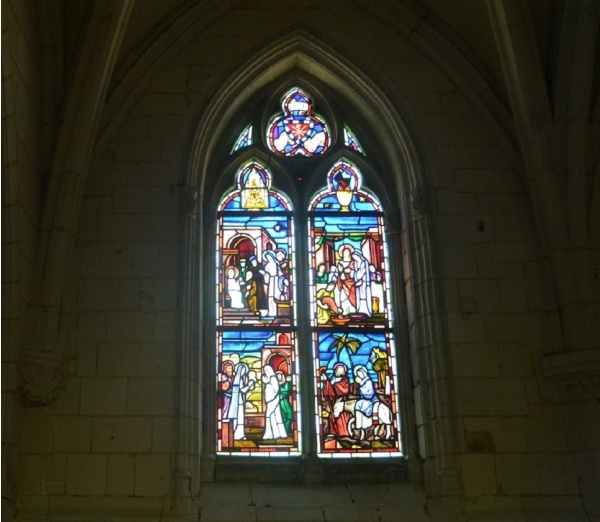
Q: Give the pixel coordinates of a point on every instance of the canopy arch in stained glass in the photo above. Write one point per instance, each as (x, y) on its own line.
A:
(297, 131)
(258, 405)
(354, 357)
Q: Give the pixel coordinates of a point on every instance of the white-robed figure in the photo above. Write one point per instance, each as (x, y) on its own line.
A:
(273, 276)
(242, 384)
(368, 398)
(234, 288)
(354, 282)
(274, 428)
(362, 284)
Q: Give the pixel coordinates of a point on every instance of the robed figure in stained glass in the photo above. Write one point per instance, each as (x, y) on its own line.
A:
(353, 341)
(258, 402)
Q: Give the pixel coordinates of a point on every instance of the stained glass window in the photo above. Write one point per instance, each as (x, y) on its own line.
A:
(297, 131)
(346, 345)
(351, 142)
(244, 139)
(355, 383)
(258, 405)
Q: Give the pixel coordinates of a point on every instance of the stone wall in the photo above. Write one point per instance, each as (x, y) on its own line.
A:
(487, 436)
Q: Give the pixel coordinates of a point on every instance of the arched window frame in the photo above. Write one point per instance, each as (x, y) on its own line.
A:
(430, 442)
(289, 175)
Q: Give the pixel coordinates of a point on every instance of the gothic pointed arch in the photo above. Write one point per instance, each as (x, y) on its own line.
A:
(308, 60)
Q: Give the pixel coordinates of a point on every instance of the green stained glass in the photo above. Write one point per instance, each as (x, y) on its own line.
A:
(258, 405)
(353, 349)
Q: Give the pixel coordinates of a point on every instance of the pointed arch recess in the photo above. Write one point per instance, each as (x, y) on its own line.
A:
(302, 51)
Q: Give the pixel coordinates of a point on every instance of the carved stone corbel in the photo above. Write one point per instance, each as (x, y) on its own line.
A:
(189, 200)
(41, 377)
(419, 201)
(575, 375)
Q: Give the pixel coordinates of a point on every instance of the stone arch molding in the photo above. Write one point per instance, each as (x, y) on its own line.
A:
(303, 52)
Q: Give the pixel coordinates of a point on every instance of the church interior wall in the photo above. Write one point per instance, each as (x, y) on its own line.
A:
(109, 445)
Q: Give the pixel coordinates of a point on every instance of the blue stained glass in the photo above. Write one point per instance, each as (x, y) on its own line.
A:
(344, 192)
(355, 379)
(244, 139)
(258, 404)
(297, 131)
(257, 394)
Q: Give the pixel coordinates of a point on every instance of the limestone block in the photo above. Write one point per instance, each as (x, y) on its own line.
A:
(87, 226)
(91, 326)
(458, 261)
(87, 359)
(469, 400)
(152, 475)
(516, 360)
(104, 396)
(507, 210)
(118, 359)
(158, 360)
(30, 474)
(518, 474)
(486, 180)
(37, 431)
(466, 328)
(72, 434)
(151, 396)
(87, 256)
(136, 200)
(307, 513)
(163, 292)
(172, 79)
(129, 326)
(509, 433)
(381, 494)
(556, 474)
(546, 428)
(505, 397)
(214, 493)
(122, 435)
(120, 475)
(509, 251)
(163, 434)
(555, 515)
(134, 127)
(147, 174)
(228, 512)
(54, 474)
(98, 294)
(484, 291)
(161, 103)
(465, 229)
(477, 360)
(145, 260)
(297, 496)
(504, 328)
(456, 203)
(479, 474)
(115, 259)
(165, 326)
(86, 474)
(513, 289)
